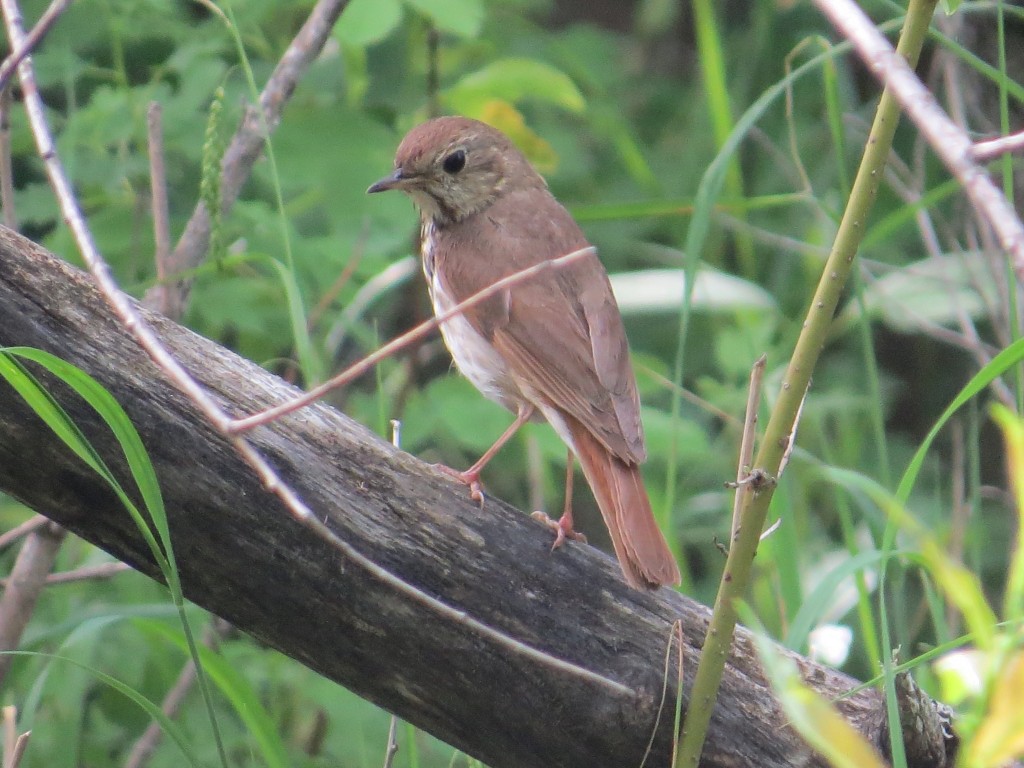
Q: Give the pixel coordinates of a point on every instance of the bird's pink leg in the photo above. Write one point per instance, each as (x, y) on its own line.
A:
(471, 476)
(563, 526)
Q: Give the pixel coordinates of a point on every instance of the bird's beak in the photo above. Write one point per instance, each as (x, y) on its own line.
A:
(395, 181)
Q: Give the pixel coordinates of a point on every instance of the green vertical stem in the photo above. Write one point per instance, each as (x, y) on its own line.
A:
(838, 267)
(874, 384)
(1007, 169)
(709, 45)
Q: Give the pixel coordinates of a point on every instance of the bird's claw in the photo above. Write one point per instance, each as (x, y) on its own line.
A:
(562, 527)
(472, 479)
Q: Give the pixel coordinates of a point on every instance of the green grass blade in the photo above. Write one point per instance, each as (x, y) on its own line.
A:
(995, 368)
(57, 419)
(817, 602)
(1012, 427)
(127, 436)
(152, 709)
(312, 366)
(709, 46)
(707, 195)
(141, 468)
(236, 690)
(813, 717)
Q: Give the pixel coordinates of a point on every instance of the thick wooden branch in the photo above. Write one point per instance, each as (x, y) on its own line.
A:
(245, 558)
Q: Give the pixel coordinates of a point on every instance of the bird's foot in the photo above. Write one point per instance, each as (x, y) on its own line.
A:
(562, 527)
(470, 478)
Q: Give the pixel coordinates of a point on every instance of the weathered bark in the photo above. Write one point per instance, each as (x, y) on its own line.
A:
(245, 558)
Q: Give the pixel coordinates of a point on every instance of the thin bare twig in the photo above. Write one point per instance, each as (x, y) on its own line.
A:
(86, 573)
(33, 564)
(676, 634)
(388, 278)
(10, 218)
(984, 151)
(358, 369)
(257, 124)
(29, 43)
(168, 300)
(392, 748)
(746, 458)
(947, 140)
(73, 217)
(14, 743)
(20, 531)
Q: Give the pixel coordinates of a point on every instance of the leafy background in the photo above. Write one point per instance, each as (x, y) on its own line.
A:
(623, 106)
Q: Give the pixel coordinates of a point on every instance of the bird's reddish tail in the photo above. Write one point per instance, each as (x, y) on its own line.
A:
(643, 553)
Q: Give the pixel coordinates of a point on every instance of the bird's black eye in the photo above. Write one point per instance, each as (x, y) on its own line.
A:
(455, 162)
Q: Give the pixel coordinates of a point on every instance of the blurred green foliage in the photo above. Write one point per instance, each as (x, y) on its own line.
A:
(614, 106)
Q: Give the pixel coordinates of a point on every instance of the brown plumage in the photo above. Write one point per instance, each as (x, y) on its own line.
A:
(553, 346)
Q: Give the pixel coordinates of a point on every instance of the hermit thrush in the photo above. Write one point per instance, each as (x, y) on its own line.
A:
(553, 346)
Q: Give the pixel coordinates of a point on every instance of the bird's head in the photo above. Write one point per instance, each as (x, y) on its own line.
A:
(455, 167)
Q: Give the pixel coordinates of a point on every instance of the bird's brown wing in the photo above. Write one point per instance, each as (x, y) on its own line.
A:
(561, 333)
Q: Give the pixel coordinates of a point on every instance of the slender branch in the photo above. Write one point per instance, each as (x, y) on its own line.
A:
(355, 371)
(746, 457)
(34, 563)
(29, 43)
(10, 218)
(946, 139)
(837, 271)
(32, 524)
(14, 743)
(257, 124)
(170, 301)
(392, 748)
(992, 148)
(86, 573)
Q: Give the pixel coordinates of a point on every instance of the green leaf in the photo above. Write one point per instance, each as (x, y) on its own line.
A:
(364, 22)
(1013, 437)
(111, 412)
(151, 709)
(961, 586)
(814, 718)
(51, 412)
(940, 290)
(460, 17)
(992, 370)
(822, 599)
(1000, 738)
(510, 80)
(311, 364)
(236, 689)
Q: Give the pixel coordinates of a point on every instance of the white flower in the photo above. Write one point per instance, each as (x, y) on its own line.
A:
(830, 644)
